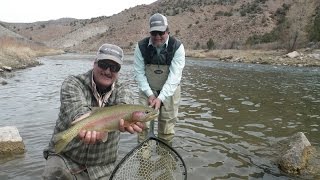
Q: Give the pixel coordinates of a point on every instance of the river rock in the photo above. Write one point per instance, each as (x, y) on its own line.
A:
(2, 81)
(295, 153)
(293, 54)
(315, 56)
(7, 68)
(11, 141)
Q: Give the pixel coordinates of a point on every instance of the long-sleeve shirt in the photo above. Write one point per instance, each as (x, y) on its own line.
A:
(174, 77)
(78, 96)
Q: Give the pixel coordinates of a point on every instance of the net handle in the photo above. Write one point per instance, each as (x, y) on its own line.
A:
(151, 127)
(151, 136)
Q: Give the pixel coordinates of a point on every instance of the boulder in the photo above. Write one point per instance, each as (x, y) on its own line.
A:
(295, 154)
(293, 54)
(11, 141)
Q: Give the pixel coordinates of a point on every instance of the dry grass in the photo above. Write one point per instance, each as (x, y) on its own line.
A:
(20, 53)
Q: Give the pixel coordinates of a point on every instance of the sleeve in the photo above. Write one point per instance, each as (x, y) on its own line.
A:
(123, 93)
(139, 72)
(73, 100)
(175, 75)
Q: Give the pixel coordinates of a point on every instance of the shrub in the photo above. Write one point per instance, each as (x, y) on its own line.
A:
(314, 28)
(197, 46)
(210, 44)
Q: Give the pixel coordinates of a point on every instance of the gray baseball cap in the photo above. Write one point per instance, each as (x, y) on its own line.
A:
(158, 22)
(111, 52)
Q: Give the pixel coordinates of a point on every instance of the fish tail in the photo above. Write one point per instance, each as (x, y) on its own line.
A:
(61, 140)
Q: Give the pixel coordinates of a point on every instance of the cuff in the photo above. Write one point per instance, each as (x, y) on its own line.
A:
(161, 97)
(148, 92)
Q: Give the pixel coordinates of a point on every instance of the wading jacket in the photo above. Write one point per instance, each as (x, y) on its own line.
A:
(78, 96)
(171, 54)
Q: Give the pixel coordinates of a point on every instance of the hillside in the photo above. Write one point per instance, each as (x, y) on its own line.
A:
(8, 33)
(204, 25)
(229, 23)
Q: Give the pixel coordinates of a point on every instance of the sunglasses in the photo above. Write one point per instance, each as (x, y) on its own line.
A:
(154, 33)
(105, 65)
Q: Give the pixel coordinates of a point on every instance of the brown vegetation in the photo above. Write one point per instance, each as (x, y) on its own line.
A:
(230, 24)
(19, 53)
(208, 28)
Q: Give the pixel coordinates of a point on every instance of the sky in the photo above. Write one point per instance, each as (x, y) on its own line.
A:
(27, 11)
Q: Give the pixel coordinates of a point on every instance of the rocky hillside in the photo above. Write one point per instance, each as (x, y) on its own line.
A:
(200, 24)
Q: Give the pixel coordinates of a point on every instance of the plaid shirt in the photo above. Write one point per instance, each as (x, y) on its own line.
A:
(78, 95)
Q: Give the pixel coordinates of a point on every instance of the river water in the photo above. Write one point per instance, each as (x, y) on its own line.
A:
(230, 115)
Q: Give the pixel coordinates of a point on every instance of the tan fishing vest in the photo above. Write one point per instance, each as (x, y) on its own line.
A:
(157, 75)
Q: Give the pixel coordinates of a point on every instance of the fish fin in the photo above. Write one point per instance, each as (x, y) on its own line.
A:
(96, 109)
(81, 118)
(61, 140)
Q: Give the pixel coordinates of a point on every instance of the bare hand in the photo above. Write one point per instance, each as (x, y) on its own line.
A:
(151, 99)
(156, 103)
(92, 137)
(132, 128)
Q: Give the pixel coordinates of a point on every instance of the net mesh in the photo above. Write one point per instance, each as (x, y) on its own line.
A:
(153, 160)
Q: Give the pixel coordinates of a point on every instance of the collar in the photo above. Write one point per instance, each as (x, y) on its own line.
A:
(101, 99)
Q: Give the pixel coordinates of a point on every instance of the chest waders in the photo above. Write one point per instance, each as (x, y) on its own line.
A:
(157, 63)
(157, 76)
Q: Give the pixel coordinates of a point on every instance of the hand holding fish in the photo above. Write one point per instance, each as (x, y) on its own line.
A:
(96, 125)
(91, 137)
(133, 128)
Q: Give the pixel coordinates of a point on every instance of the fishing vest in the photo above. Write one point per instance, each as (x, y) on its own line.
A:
(157, 64)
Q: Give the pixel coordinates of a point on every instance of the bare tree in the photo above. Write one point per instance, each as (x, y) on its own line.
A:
(297, 20)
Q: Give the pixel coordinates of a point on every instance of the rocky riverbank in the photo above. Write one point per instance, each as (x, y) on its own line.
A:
(299, 58)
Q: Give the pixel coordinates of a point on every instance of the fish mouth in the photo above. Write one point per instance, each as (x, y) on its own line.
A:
(150, 116)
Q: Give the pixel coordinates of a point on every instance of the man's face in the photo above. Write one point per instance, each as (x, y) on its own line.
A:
(158, 38)
(105, 73)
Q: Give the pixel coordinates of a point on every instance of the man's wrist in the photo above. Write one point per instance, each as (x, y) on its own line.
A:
(161, 97)
(148, 93)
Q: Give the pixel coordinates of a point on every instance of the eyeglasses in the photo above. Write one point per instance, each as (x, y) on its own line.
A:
(104, 64)
(154, 33)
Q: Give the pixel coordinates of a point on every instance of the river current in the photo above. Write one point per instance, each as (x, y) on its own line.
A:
(229, 117)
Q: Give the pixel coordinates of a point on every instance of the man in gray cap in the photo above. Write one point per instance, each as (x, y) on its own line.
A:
(158, 63)
(93, 154)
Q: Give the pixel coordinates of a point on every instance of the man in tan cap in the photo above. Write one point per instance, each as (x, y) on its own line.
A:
(93, 154)
(158, 63)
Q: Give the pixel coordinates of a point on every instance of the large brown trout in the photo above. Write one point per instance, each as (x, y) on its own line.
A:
(105, 119)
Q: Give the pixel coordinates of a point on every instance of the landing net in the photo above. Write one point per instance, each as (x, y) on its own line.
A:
(151, 160)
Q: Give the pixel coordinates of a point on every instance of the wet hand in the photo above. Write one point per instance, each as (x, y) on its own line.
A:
(132, 128)
(92, 137)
